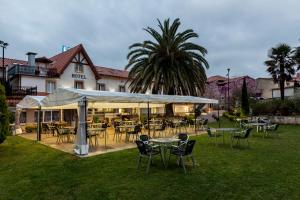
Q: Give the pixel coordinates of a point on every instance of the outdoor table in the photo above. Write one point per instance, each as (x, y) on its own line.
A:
(257, 124)
(223, 130)
(126, 127)
(164, 143)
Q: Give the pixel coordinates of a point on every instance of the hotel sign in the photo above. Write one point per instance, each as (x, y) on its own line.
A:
(80, 76)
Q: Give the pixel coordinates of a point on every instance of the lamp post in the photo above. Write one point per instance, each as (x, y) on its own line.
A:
(3, 45)
(228, 106)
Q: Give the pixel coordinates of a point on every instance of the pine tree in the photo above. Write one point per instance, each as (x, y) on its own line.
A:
(245, 100)
(4, 116)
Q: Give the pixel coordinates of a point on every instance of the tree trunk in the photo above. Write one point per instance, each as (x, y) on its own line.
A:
(281, 81)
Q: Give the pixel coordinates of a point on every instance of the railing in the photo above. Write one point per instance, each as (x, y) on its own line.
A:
(31, 70)
(21, 91)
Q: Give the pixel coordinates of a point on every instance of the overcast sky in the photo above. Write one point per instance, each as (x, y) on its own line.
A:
(237, 34)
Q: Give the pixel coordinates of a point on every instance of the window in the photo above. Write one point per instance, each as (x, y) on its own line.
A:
(101, 86)
(79, 68)
(50, 86)
(121, 88)
(36, 116)
(78, 85)
(23, 117)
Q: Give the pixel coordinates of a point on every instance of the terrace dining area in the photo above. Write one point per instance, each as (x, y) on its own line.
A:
(104, 122)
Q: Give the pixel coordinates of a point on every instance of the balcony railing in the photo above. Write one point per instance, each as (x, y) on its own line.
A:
(31, 70)
(21, 91)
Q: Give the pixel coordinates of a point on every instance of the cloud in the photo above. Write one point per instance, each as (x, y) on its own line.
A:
(236, 33)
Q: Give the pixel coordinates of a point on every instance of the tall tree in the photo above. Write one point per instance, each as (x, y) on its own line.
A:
(4, 115)
(245, 98)
(169, 63)
(281, 64)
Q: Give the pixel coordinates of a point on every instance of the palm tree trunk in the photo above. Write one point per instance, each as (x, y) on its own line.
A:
(281, 81)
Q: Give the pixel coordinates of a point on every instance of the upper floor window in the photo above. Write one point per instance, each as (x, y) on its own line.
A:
(78, 85)
(79, 68)
(121, 88)
(50, 86)
(101, 86)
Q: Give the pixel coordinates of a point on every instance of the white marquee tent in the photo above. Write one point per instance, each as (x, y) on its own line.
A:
(69, 98)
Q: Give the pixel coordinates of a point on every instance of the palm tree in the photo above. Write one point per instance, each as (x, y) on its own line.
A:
(281, 65)
(168, 64)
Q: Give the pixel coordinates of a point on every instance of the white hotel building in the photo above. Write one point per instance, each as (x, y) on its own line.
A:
(72, 68)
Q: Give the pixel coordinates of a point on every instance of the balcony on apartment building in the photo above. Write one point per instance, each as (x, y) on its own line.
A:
(18, 69)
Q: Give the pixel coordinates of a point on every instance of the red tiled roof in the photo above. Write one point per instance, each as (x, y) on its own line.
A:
(105, 71)
(9, 61)
(215, 78)
(62, 60)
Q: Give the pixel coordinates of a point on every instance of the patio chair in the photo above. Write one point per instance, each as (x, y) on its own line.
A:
(46, 130)
(184, 138)
(181, 153)
(62, 133)
(117, 134)
(147, 151)
(212, 135)
(241, 135)
(271, 129)
(137, 129)
(160, 128)
(146, 140)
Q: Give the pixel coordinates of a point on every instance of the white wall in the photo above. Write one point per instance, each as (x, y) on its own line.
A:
(112, 83)
(67, 81)
(33, 81)
(287, 92)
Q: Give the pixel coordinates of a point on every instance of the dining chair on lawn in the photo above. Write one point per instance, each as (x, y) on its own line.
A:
(182, 153)
(147, 151)
(241, 135)
(271, 129)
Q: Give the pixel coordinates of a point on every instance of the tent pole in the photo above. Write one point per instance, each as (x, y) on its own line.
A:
(219, 116)
(39, 124)
(148, 118)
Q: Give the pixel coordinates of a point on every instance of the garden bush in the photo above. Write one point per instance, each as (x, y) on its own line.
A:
(30, 128)
(276, 107)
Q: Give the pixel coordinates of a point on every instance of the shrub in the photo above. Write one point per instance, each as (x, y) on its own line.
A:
(4, 116)
(276, 107)
(30, 128)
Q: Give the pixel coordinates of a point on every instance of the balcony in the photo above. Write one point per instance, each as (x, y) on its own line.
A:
(32, 71)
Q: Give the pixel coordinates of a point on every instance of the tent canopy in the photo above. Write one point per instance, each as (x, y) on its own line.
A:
(68, 97)
(30, 102)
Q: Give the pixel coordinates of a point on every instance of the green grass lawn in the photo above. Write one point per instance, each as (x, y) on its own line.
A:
(270, 169)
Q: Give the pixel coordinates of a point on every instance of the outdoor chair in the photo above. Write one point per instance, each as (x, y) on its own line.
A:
(117, 134)
(212, 135)
(103, 130)
(241, 135)
(45, 129)
(271, 129)
(147, 151)
(146, 140)
(137, 129)
(184, 138)
(182, 153)
(160, 128)
(62, 134)
(93, 135)
(204, 124)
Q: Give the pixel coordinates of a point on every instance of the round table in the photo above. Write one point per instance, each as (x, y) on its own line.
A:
(223, 130)
(164, 143)
(257, 124)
